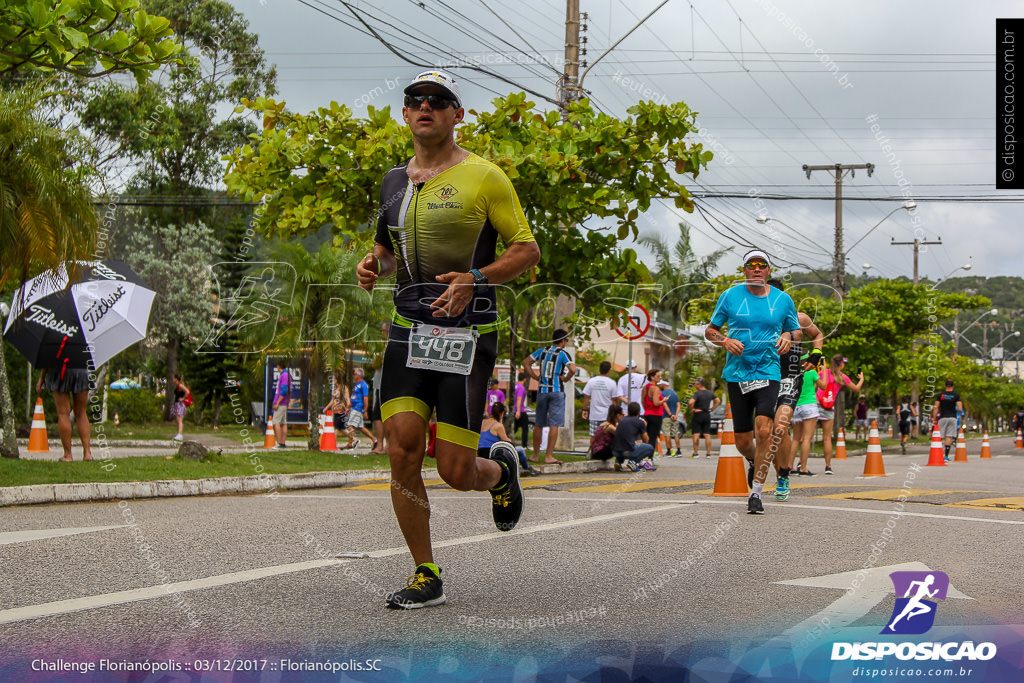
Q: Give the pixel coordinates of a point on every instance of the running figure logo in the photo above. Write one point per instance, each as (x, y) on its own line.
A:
(913, 613)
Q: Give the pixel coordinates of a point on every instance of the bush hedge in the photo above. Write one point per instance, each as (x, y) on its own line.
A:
(135, 405)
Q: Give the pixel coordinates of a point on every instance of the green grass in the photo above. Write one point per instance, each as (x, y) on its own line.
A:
(227, 464)
(24, 472)
(163, 431)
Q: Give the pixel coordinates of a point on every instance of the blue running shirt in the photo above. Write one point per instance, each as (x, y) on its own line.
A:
(757, 322)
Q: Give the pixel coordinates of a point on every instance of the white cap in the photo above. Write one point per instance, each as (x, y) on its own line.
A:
(756, 253)
(440, 78)
(662, 382)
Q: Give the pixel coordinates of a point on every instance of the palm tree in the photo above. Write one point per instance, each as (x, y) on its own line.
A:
(326, 317)
(679, 270)
(46, 211)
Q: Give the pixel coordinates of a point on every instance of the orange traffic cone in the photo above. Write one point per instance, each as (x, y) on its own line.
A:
(328, 441)
(117, 420)
(731, 476)
(961, 447)
(37, 442)
(873, 466)
(935, 455)
(1020, 440)
(269, 440)
(841, 445)
(986, 449)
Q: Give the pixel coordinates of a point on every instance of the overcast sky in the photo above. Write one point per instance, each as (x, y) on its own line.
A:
(766, 100)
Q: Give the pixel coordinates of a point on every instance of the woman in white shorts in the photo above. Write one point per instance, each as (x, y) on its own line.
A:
(805, 420)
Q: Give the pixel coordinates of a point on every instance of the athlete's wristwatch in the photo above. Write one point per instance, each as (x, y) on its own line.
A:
(480, 280)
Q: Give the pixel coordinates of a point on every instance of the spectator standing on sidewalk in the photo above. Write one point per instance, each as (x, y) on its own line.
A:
(675, 422)
(701, 405)
(597, 397)
(554, 367)
(70, 387)
(280, 405)
(522, 420)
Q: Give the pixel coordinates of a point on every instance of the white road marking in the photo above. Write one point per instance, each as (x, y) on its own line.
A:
(42, 534)
(60, 607)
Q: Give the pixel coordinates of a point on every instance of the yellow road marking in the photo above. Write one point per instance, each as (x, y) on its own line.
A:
(629, 486)
(384, 486)
(884, 494)
(545, 481)
(1013, 504)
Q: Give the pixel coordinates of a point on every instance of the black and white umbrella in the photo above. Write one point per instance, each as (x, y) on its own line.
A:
(104, 311)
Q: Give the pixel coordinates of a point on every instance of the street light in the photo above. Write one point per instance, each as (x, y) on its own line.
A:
(1002, 352)
(763, 219)
(960, 334)
(909, 206)
(966, 266)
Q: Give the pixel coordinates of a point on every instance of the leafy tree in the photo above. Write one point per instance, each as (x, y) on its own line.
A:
(170, 129)
(326, 166)
(322, 316)
(175, 262)
(83, 38)
(46, 216)
(679, 272)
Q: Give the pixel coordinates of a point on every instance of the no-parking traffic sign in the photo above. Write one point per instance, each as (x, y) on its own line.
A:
(638, 321)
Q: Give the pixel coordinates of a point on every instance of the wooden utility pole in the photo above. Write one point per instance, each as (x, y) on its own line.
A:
(917, 244)
(838, 172)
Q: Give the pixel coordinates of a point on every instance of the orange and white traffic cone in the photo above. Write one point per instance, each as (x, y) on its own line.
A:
(269, 440)
(328, 441)
(841, 445)
(1020, 440)
(936, 456)
(986, 448)
(873, 465)
(731, 476)
(37, 442)
(961, 447)
(117, 420)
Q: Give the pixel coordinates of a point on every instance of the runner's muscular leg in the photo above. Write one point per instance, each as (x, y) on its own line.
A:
(406, 433)
(763, 454)
(461, 469)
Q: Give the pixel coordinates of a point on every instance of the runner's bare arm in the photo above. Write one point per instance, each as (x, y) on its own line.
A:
(713, 334)
(516, 259)
(377, 264)
(809, 330)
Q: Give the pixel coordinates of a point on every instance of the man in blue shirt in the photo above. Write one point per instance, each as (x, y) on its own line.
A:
(761, 322)
(672, 426)
(554, 366)
(357, 414)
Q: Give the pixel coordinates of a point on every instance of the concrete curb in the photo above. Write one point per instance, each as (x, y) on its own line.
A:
(267, 483)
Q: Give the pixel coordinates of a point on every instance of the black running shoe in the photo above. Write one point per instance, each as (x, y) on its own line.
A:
(507, 504)
(754, 506)
(750, 474)
(423, 590)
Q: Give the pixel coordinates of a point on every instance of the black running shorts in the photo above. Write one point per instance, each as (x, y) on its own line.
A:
(762, 401)
(789, 391)
(457, 399)
(702, 423)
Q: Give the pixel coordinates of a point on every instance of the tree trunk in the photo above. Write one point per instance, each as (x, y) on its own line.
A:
(565, 309)
(216, 409)
(96, 409)
(8, 439)
(313, 404)
(173, 344)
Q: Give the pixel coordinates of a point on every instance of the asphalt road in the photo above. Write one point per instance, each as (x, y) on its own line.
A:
(637, 574)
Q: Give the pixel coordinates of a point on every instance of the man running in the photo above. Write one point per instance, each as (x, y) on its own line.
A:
(440, 218)
(701, 405)
(793, 363)
(761, 322)
(947, 406)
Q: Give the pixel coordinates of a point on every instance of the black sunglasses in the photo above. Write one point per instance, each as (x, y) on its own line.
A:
(435, 101)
